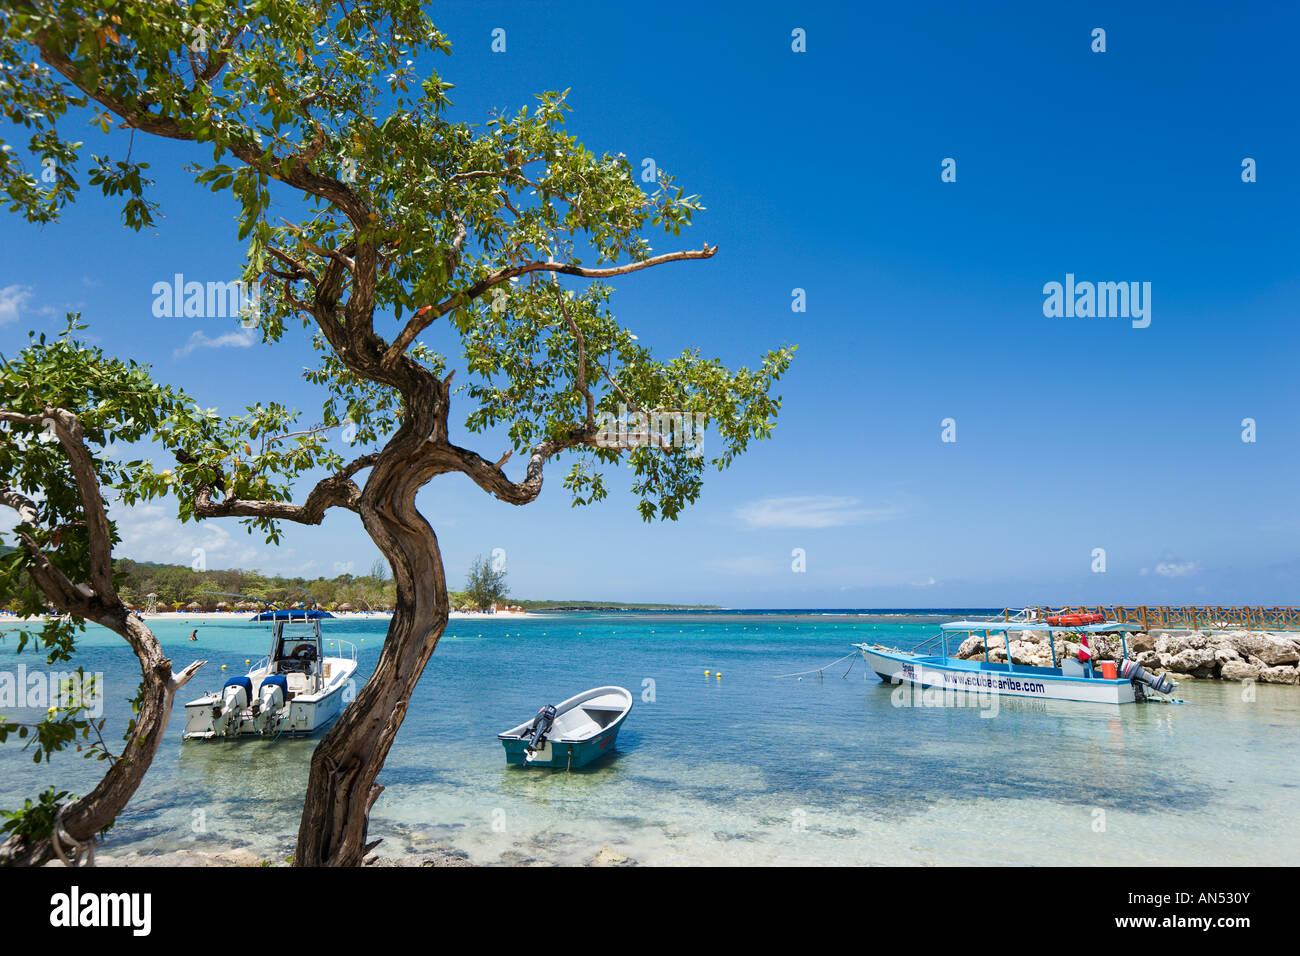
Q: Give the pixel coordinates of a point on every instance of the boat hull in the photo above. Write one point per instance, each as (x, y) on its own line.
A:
(561, 753)
(584, 728)
(981, 677)
(306, 716)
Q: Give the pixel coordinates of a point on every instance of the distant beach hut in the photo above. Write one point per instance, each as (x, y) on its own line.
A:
(346, 607)
(194, 606)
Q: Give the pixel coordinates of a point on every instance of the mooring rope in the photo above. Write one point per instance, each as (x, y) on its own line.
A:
(83, 854)
(818, 670)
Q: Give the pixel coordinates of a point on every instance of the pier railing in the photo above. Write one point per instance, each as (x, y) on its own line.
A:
(1189, 617)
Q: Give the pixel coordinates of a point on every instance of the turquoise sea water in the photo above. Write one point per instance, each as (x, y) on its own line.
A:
(748, 769)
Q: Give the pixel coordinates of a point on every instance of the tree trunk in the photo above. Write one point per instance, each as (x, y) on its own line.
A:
(84, 818)
(341, 788)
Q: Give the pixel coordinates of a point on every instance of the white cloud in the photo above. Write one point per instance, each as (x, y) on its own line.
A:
(13, 298)
(811, 511)
(240, 338)
(1172, 568)
(151, 532)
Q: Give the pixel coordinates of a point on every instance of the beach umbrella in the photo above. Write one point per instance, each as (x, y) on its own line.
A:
(194, 606)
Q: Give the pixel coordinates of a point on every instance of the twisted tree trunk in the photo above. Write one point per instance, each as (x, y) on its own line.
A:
(84, 818)
(341, 788)
(96, 600)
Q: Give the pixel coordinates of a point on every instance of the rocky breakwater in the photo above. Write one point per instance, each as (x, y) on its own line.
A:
(1268, 656)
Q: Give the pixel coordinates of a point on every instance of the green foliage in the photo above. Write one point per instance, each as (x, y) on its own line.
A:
(34, 821)
(346, 104)
(118, 404)
(175, 586)
(484, 585)
(66, 722)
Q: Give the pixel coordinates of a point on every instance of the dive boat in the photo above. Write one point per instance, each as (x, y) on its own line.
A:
(1077, 679)
(570, 734)
(294, 690)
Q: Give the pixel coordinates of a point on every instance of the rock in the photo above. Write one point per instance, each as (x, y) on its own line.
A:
(1023, 652)
(1272, 649)
(1239, 670)
(971, 647)
(1280, 675)
(1188, 660)
(235, 857)
(1141, 642)
(1225, 655)
(1149, 659)
(608, 856)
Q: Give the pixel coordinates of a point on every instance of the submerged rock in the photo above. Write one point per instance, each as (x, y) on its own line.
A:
(608, 856)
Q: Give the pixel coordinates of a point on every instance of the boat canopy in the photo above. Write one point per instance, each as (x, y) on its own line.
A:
(1106, 627)
(291, 615)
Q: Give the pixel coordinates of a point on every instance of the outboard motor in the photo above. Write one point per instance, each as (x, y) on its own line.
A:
(1132, 670)
(229, 714)
(271, 697)
(540, 728)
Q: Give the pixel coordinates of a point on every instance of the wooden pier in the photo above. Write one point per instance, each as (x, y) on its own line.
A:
(1188, 617)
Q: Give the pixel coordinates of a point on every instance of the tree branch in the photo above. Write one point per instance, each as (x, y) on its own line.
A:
(336, 491)
(294, 174)
(492, 479)
(426, 316)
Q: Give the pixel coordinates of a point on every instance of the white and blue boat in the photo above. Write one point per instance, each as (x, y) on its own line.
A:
(294, 691)
(931, 666)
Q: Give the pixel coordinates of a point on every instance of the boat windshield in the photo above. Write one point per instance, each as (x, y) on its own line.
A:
(297, 642)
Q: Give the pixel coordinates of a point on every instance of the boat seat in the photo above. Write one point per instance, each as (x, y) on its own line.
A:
(603, 718)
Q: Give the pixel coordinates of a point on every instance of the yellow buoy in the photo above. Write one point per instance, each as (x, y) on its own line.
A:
(718, 675)
(223, 667)
(706, 673)
(247, 661)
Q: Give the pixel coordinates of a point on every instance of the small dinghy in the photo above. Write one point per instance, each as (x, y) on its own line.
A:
(570, 734)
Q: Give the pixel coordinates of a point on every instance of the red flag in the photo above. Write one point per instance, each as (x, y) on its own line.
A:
(1085, 653)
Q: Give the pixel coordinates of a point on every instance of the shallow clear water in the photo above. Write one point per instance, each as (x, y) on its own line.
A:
(748, 769)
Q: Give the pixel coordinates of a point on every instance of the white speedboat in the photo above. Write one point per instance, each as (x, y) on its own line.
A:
(294, 690)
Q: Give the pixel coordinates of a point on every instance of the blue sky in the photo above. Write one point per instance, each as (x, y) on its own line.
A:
(821, 170)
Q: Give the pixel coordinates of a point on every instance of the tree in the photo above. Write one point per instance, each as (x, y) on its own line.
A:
(371, 215)
(62, 406)
(485, 585)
